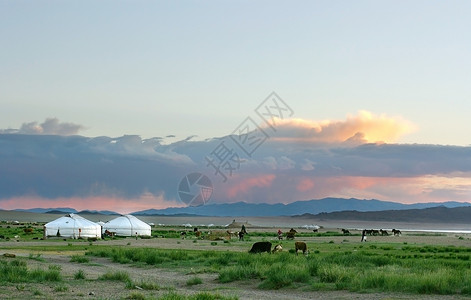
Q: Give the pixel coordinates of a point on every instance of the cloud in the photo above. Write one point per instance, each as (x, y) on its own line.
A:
(51, 126)
(365, 127)
(302, 160)
(116, 204)
(244, 185)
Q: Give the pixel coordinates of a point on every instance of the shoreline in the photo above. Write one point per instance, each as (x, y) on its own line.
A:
(255, 222)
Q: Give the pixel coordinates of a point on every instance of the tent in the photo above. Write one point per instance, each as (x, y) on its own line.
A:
(127, 225)
(72, 226)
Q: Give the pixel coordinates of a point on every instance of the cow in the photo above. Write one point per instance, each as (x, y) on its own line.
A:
(28, 230)
(300, 246)
(363, 235)
(277, 248)
(260, 247)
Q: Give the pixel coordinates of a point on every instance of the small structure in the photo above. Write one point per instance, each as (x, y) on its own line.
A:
(127, 225)
(72, 226)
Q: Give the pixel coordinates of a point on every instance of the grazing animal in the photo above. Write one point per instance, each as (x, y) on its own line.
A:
(383, 232)
(231, 234)
(241, 235)
(290, 234)
(277, 248)
(300, 246)
(260, 247)
(396, 231)
(198, 233)
(315, 230)
(28, 230)
(183, 234)
(375, 232)
(363, 235)
(345, 231)
(107, 233)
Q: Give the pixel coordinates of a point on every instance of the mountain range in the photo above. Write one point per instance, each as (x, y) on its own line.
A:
(325, 205)
(439, 214)
(312, 207)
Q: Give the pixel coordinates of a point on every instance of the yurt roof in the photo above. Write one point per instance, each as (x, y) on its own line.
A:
(125, 221)
(72, 220)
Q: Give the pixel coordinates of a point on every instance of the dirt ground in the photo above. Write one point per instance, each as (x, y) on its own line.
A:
(174, 280)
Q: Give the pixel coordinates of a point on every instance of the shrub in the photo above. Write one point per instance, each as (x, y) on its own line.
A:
(79, 259)
(194, 281)
(115, 276)
(79, 275)
(61, 288)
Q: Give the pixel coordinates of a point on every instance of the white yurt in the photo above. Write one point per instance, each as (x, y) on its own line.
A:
(72, 226)
(127, 225)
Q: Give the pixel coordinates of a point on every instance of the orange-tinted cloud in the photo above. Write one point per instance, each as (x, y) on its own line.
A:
(243, 186)
(365, 127)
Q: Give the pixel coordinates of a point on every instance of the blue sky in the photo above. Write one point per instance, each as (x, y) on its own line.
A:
(395, 72)
(199, 67)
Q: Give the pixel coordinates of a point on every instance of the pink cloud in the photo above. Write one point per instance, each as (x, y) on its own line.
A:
(243, 186)
(119, 205)
(305, 184)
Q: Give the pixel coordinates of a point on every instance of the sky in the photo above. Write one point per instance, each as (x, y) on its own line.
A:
(110, 103)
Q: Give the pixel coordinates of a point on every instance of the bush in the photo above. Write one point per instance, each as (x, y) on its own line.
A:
(79, 259)
(194, 281)
(115, 276)
(79, 275)
(61, 288)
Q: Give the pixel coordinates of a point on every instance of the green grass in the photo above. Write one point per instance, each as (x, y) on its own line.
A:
(61, 288)
(79, 259)
(16, 271)
(80, 274)
(379, 267)
(198, 296)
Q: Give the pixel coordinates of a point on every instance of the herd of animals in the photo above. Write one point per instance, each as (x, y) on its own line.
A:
(265, 246)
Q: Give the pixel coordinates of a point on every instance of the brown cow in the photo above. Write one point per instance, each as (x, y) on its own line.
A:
(28, 230)
(300, 246)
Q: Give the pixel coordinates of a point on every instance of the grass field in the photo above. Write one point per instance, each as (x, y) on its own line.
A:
(414, 265)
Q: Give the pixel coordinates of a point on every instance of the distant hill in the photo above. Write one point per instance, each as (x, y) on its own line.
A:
(438, 214)
(325, 205)
(98, 212)
(57, 210)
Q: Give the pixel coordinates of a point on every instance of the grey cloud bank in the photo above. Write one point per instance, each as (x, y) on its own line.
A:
(53, 166)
